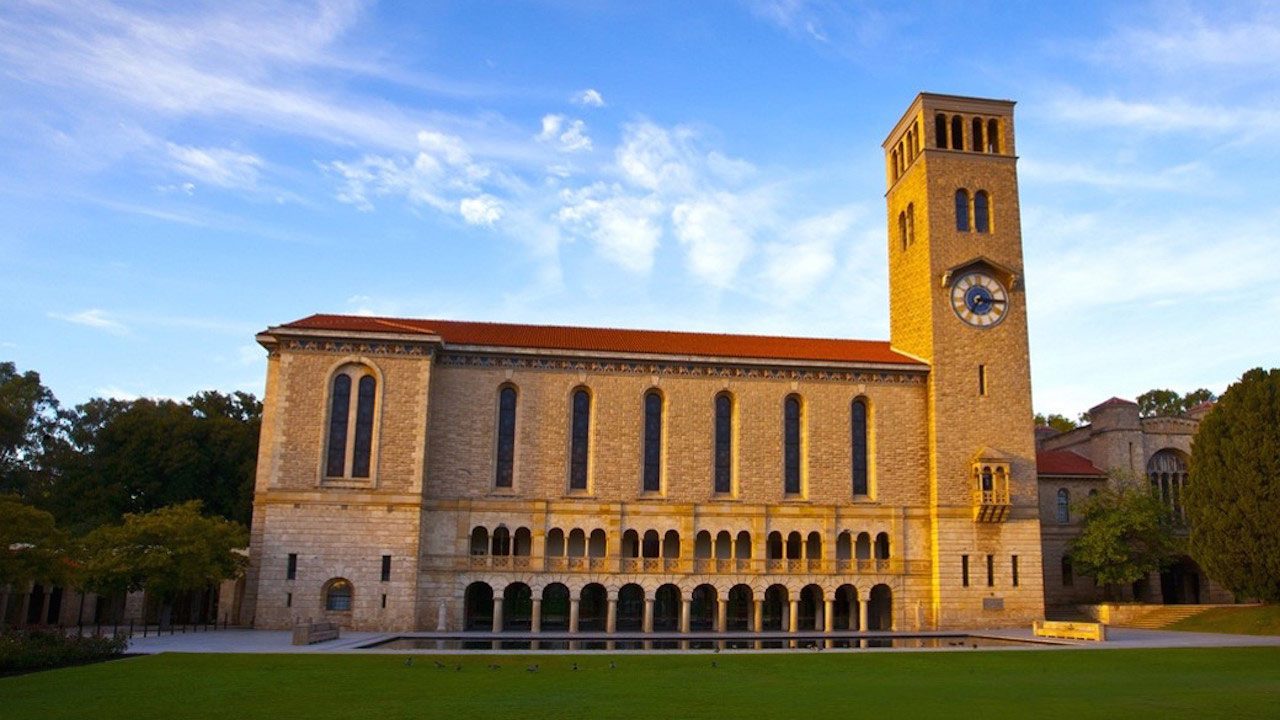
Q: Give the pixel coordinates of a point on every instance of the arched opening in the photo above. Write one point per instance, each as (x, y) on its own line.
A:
(652, 480)
(813, 546)
(651, 547)
(597, 546)
(977, 142)
(981, 212)
(793, 545)
(555, 608)
(523, 543)
(477, 612)
(911, 223)
(862, 548)
(577, 543)
(592, 608)
(501, 541)
(671, 545)
(893, 160)
(792, 461)
(993, 136)
(880, 608)
(882, 546)
(1180, 582)
(479, 541)
(940, 130)
(579, 439)
(517, 607)
(810, 609)
(630, 544)
(555, 543)
(739, 609)
(775, 608)
(338, 595)
(773, 547)
(702, 545)
(724, 443)
(742, 549)
(858, 446)
(505, 464)
(902, 229)
(630, 612)
(1064, 506)
(666, 609)
(962, 210)
(724, 545)
(957, 133)
(844, 608)
(702, 610)
(844, 546)
(1167, 470)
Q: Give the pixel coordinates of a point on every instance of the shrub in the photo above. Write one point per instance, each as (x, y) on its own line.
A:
(41, 650)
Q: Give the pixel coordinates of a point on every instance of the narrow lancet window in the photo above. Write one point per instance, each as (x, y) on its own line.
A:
(791, 442)
(859, 422)
(981, 212)
(962, 210)
(362, 449)
(580, 429)
(957, 133)
(339, 408)
(652, 441)
(940, 131)
(724, 443)
(506, 437)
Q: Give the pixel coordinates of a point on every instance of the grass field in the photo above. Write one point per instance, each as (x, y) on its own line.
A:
(1199, 683)
(1255, 620)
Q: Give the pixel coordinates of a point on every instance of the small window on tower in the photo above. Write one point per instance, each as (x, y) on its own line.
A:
(957, 133)
(964, 570)
(940, 131)
(981, 212)
(982, 380)
(911, 223)
(902, 229)
(962, 210)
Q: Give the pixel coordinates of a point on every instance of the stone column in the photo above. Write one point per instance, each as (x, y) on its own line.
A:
(684, 614)
(535, 616)
(611, 616)
(573, 615)
(497, 614)
(757, 617)
(827, 619)
(793, 617)
(722, 614)
(862, 615)
(648, 615)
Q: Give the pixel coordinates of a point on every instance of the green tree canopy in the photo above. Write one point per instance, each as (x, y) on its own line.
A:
(28, 418)
(32, 549)
(1061, 423)
(1233, 492)
(1126, 534)
(166, 551)
(1153, 403)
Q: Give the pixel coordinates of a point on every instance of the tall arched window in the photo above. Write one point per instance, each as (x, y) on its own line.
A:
(580, 434)
(791, 445)
(337, 595)
(350, 436)
(978, 144)
(962, 210)
(893, 159)
(981, 212)
(957, 133)
(724, 443)
(1064, 506)
(506, 436)
(940, 130)
(859, 422)
(652, 441)
(902, 229)
(911, 223)
(993, 136)
(339, 409)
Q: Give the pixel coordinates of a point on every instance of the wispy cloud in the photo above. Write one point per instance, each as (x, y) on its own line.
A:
(1174, 115)
(588, 98)
(95, 318)
(1190, 177)
(847, 28)
(223, 167)
(566, 134)
(1175, 37)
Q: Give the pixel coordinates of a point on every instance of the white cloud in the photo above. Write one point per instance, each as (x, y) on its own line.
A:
(481, 210)
(797, 266)
(440, 176)
(223, 167)
(1179, 38)
(657, 158)
(95, 318)
(1166, 116)
(1191, 176)
(716, 242)
(117, 392)
(625, 229)
(568, 135)
(589, 98)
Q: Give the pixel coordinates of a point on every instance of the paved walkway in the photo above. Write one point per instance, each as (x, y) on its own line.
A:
(277, 641)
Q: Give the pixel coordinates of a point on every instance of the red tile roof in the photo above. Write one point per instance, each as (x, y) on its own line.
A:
(660, 342)
(1112, 403)
(1064, 462)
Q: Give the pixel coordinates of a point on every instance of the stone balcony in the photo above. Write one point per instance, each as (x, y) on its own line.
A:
(694, 566)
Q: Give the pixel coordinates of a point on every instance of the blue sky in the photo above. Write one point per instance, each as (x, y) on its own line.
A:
(178, 176)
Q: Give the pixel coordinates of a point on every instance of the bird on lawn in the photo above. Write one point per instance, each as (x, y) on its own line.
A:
(532, 668)
(613, 665)
(713, 664)
(457, 668)
(408, 662)
(575, 666)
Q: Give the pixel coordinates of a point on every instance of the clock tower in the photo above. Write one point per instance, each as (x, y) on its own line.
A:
(957, 302)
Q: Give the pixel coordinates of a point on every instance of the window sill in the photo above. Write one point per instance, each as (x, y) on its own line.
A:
(346, 482)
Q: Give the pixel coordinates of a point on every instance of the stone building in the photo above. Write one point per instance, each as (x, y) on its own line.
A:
(1118, 445)
(432, 474)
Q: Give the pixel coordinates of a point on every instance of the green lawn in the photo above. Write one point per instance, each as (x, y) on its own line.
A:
(1257, 620)
(1200, 683)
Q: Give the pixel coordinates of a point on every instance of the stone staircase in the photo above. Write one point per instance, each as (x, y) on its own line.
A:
(1165, 616)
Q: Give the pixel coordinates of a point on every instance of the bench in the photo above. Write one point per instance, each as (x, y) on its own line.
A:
(308, 633)
(1070, 630)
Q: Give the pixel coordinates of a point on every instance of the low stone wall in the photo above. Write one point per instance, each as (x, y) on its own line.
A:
(1070, 630)
(307, 633)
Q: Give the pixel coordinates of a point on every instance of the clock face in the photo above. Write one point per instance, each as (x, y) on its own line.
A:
(979, 299)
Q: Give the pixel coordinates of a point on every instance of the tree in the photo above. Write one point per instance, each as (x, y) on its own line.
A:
(1126, 534)
(1061, 423)
(166, 552)
(1153, 403)
(32, 549)
(1233, 492)
(28, 417)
